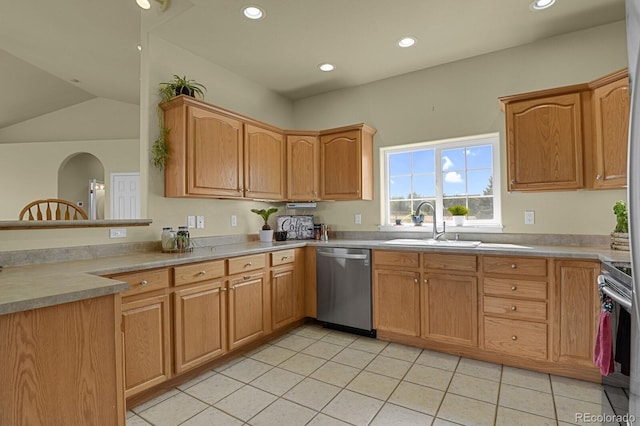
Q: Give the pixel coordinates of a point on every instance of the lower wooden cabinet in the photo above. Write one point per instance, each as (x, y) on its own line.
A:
(522, 338)
(577, 308)
(247, 308)
(396, 301)
(146, 343)
(200, 324)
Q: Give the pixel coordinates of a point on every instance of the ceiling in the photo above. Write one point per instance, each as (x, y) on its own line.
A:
(56, 53)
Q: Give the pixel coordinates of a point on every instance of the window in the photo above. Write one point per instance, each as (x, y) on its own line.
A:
(463, 171)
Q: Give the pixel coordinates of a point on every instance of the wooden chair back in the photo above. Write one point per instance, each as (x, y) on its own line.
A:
(52, 209)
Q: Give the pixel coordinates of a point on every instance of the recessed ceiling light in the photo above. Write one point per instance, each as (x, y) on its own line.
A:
(75, 80)
(541, 4)
(326, 67)
(139, 47)
(253, 12)
(406, 42)
(144, 4)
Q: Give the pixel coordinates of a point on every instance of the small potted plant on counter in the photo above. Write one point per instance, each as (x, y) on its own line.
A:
(620, 234)
(458, 213)
(266, 233)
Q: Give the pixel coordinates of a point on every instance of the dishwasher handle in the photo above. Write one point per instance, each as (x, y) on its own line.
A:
(344, 256)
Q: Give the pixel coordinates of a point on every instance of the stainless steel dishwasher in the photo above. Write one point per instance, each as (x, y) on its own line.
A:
(344, 289)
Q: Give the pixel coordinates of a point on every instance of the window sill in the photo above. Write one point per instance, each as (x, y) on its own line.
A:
(451, 228)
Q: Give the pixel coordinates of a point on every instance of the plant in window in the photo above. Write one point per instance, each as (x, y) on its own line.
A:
(458, 212)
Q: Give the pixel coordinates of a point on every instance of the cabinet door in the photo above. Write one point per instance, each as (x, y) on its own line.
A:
(284, 298)
(146, 344)
(396, 301)
(200, 324)
(544, 143)
(611, 121)
(303, 162)
(450, 308)
(214, 154)
(576, 311)
(264, 163)
(246, 309)
(346, 166)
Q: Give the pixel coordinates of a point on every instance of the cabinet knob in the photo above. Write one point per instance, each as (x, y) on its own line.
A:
(233, 287)
(513, 181)
(426, 280)
(248, 264)
(202, 273)
(513, 308)
(415, 280)
(514, 266)
(599, 177)
(284, 257)
(144, 282)
(246, 277)
(223, 289)
(514, 338)
(514, 288)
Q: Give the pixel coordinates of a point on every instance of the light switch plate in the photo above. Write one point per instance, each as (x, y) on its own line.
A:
(529, 217)
(191, 221)
(117, 233)
(358, 219)
(234, 220)
(200, 222)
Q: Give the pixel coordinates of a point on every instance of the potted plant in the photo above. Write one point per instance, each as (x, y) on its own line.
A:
(458, 212)
(160, 149)
(181, 86)
(266, 233)
(620, 234)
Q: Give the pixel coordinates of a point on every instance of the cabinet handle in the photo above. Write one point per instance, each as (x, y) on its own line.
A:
(514, 266)
(315, 193)
(415, 280)
(513, 181)
(247, 264)
(514, 288)
(599, 177)
(223, 289)
(246, 277)
(513, 308)
(202, 273)
(144, 282)
(426, 280)
(514, 338)
(233, 287)
(284, 257)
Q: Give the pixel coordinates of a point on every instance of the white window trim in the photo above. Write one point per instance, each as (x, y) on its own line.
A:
(493, 226)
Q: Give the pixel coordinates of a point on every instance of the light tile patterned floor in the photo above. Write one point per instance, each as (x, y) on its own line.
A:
(320, 377)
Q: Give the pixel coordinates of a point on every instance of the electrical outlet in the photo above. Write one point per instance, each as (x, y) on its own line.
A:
(200, 222)
(358, 219)
(191, 221)
(529, 217)
(117, 233)
(234, 220)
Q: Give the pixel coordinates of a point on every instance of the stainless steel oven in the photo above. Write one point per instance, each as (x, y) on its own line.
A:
(615, 281)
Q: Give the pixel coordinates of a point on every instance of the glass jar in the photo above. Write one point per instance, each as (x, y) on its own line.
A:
(168, 238)
(183, 240)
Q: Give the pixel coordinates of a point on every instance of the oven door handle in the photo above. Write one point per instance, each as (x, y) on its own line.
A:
(602, 284)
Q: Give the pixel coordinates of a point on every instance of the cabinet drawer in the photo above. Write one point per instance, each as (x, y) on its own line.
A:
(140, 282)
(456, 262)
(515, 265)
(514, 308)
(515, 288)
(238, 265)
(197, 272)
(523, 338)
(403, 259)
(282, 257)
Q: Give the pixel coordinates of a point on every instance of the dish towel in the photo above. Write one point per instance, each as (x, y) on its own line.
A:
(603, 350)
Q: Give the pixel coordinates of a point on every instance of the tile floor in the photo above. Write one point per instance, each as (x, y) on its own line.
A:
(316, 376)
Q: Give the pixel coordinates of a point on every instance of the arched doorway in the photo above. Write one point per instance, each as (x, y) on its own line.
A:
(74, 177)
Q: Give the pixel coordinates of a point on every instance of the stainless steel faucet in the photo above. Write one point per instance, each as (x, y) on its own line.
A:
(435, 233)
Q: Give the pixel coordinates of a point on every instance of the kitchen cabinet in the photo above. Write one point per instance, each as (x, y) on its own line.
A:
(545, 139)
(206, 151)
(200, 314)
(61, 365)
(248, 300)
(577, 307)
(303, 167)
(450, 298)
(264, 163)
(608, 160)
(287, 287)
(396, 292)
(145, 330)
(346, 163)
(515, 316)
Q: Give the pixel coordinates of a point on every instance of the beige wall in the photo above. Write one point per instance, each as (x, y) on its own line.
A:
(452, 100)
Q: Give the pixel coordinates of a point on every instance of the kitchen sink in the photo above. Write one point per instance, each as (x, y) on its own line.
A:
(432, 243)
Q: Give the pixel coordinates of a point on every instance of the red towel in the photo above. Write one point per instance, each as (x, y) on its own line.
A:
(603, 351)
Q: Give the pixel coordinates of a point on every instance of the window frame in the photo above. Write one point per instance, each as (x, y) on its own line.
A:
(481, 225)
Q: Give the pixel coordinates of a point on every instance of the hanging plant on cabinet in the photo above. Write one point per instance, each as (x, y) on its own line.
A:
(178, 86)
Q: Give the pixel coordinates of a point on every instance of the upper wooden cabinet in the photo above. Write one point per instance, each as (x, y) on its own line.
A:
(346, 163)
(215, 153)
(264, 163)
(569, 137)
(544, 140)
(303, 167)
(608, 165)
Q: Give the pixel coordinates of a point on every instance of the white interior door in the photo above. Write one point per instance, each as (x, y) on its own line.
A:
(125, 195)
